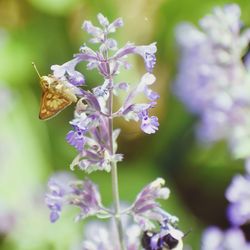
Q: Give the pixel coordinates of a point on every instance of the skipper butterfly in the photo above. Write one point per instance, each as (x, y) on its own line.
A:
(56, 96)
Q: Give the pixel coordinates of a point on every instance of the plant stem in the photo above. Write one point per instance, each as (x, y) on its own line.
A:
(114, 174)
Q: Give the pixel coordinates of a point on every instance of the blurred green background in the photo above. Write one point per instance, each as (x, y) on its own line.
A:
(49, 32)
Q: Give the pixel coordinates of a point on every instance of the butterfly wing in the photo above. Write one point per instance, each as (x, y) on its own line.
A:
(52, 103)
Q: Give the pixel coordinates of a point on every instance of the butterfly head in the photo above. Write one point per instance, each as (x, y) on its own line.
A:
(46, 81)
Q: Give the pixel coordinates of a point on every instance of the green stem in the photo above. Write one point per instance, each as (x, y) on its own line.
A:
(114, 174)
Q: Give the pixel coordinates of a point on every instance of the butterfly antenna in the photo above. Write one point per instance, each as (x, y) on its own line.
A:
(36, 69)
(188, 232)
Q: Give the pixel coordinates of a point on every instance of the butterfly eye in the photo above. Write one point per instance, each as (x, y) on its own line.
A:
(45, 84)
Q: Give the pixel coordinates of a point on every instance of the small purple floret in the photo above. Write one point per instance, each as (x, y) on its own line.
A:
(149, 124)
(76, 138)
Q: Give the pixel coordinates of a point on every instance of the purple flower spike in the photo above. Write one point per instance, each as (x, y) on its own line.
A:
(215, 239)
(215, 89)
(145, 209)
(93, 136)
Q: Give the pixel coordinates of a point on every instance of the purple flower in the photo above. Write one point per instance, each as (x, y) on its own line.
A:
(81, 125)
(215, 88)
(86, 196)
(90, 134)
(110, 66)
(96, 154)
(215, 239)
(238, 194)
(67, 71)
(88, 55)
(76, 138)
(145, 210)
(146, 80)
(86, 117)
(65, 190)
(148, 124)
(139, 112)
(96, 32)
(148, 54)
(116, 24)
(127, 49)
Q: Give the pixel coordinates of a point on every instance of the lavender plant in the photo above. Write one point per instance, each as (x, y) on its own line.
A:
(95, 140)
(214, 83)
(213, 80)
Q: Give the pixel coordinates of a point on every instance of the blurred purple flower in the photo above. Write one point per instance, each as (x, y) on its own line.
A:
(238, 194)
(55, 198)
(103, 236)
(213, 82)
(232, 239)
(65, 190)
(8, 220)
(146, 211)
(6, 98)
